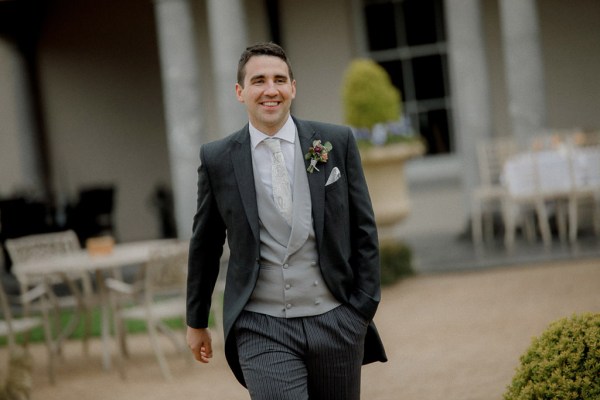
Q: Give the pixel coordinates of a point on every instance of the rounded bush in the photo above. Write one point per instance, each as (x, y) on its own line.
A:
(369, 96)
(563, 363)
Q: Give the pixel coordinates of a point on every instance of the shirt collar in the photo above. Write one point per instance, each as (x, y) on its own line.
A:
(287, 133)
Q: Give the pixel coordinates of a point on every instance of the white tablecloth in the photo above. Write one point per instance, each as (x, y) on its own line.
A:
(550, 172)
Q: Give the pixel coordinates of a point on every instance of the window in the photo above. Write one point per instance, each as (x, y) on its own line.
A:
(407, 38)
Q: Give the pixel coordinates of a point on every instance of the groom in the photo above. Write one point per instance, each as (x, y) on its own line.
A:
(302, 283)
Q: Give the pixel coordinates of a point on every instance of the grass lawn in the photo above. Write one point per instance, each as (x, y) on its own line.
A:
(37, 335)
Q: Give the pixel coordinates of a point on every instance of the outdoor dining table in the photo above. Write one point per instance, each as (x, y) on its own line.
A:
(120, 255)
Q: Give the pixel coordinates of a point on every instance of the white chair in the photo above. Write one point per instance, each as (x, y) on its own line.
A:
(540, 179)
(80, 298)
(11, 326)
(522, 181)
(157, 294)
(489, 196)
(584, 167)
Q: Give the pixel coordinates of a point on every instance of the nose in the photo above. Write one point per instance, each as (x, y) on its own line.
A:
(271, 89)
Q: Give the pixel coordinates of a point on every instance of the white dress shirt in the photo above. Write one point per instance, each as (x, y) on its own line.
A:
(262, 155)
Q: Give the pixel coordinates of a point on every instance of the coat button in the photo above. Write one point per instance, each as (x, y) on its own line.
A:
(288, 306)
(285, 266)
(288, 286)
(316, 283)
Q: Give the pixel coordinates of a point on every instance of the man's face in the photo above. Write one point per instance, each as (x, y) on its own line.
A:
(267, 93)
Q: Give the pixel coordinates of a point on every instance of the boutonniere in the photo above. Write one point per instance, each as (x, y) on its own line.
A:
(317, 153)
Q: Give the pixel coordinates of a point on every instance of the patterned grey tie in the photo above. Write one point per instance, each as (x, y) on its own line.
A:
(282, 192)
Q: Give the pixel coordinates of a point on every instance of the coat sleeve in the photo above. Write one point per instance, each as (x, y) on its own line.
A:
(206, 248)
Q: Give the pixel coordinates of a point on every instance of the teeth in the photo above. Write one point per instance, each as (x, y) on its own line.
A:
(270, 103)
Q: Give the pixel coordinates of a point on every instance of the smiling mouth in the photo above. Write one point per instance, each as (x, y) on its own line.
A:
(270, 103)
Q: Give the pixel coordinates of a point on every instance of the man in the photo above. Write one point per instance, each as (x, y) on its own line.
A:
(302, 283)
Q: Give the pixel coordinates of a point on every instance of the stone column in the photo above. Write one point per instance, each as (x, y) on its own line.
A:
(227, 31)
(20, 151)
(469, 86)
(524, 68)
(184, 118)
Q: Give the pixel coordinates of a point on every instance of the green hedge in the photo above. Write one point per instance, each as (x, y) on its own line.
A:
(563, 363)
(396, 262)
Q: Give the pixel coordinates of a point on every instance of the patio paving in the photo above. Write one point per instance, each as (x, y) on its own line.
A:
(443, 252)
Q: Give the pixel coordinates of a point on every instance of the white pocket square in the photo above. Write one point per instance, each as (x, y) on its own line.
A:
(334, 176)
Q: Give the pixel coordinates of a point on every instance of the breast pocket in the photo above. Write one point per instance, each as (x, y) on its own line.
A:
(336, 198)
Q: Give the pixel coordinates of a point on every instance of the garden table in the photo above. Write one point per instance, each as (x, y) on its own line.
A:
(119, 256)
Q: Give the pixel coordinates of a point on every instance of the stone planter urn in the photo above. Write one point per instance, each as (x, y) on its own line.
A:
(384, 172)
(373, 107)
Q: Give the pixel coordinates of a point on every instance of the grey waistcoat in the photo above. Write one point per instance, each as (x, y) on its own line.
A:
(290, 283)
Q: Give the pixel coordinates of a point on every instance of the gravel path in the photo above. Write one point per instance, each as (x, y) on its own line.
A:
(448, 336)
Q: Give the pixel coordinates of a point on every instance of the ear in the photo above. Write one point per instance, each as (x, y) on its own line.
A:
(238, 92)
(294, 89)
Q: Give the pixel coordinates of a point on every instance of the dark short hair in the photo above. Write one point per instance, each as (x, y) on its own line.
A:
(261, 49)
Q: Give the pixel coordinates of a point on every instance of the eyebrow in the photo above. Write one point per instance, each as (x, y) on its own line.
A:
(263, 76)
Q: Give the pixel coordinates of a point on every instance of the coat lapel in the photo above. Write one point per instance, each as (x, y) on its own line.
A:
(241, 159)
(316, 180)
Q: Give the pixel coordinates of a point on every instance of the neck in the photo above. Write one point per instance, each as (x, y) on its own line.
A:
(270, 130)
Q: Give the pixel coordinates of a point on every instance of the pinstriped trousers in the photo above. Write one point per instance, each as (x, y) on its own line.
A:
(317, 357)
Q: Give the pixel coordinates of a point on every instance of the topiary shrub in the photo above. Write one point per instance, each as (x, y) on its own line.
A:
(563, 363)
(396, 262)
(373, 106)
(368, 95)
